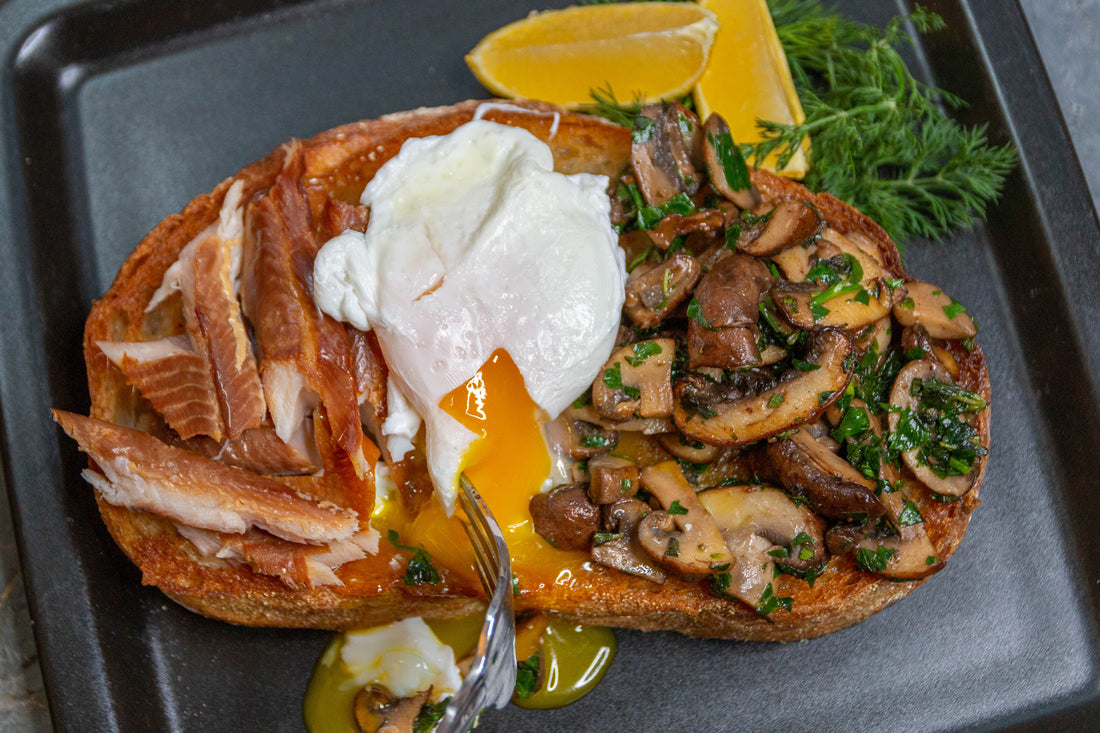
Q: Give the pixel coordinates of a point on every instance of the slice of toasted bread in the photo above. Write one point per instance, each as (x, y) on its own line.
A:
(340, 162)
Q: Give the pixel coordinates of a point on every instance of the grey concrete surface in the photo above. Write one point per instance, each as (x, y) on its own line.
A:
(1068, 35)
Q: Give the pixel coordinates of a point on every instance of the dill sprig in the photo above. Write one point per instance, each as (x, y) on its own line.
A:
(880, 139)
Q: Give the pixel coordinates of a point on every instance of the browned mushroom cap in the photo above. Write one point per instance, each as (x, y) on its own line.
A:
(791, 222)
(612, 478)
(677, 225)
(565, 517)
(653, 292)
(722, 328)
(763, 527)
(377, 711)
(665, 144)
(683, 537)
(798, 399)
(717, 136)
(901, 397)
(809, 306)
(808, 469)
(619, 547)
(636, 381)
(940, 314)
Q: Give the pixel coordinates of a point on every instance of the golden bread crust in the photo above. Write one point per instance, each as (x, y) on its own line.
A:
(340, 162)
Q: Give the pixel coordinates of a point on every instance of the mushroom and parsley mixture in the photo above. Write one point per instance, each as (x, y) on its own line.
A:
(781, 393)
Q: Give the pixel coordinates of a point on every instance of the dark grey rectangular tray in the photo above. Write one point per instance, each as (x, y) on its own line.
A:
(116, 114)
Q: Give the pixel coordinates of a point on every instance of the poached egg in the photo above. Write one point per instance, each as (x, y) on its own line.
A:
(494, 285)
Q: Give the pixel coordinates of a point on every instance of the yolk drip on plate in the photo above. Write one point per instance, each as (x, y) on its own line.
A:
(509, 462)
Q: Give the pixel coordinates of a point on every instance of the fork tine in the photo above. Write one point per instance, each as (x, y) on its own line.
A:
(492, 675)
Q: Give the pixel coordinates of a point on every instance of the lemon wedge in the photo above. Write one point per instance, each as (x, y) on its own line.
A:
(653, 50)
(747, 77)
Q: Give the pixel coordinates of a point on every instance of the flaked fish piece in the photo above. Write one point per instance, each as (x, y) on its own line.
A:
(207, 275)
(299, 566)
(371, 374)
(306, 356)
(140, 472)
(258, 450)
(175, 379)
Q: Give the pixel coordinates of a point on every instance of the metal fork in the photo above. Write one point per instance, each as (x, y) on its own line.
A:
(492, 676)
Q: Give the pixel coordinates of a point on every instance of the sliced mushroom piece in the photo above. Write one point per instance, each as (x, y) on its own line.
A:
(808, 305)
(912, 554)
(683, 537)
(901, 397)
(583, 439)
(654, 292)
(833, 242)
(940, 314)
(762, 528)
(612, 478)
(792, 222)
(725, 166)
(722, 332)
(800, 397)
(917, 344)
(565, 517)
(679, 225)
(877, 336)
(377, 711)
(772, 354)
(621, 549)
(645, 425)
(808, 469)
(636, 381)
(665, 137)
(795, 262)
(687, 449)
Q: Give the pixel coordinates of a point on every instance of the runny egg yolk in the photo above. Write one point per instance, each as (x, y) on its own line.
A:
(509, 463)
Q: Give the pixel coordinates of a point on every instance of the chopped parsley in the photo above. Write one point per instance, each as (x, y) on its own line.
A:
(954, 309)
(595, 440)
(873, 561)
(910, 515)
(731, 161)
(527, 677)
(429, 716)
(613, 378)
(676, 507)
(937, 430)
(695, 313)
(643, 129)
(602, 538)
(420, 569)
(776, 400)
(770, 602)
(643, 350)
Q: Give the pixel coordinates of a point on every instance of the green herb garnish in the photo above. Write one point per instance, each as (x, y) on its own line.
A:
(676, 507)
(429, 716)
(527, 677)
(873, 560)
(880, 139)
(420, 569)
